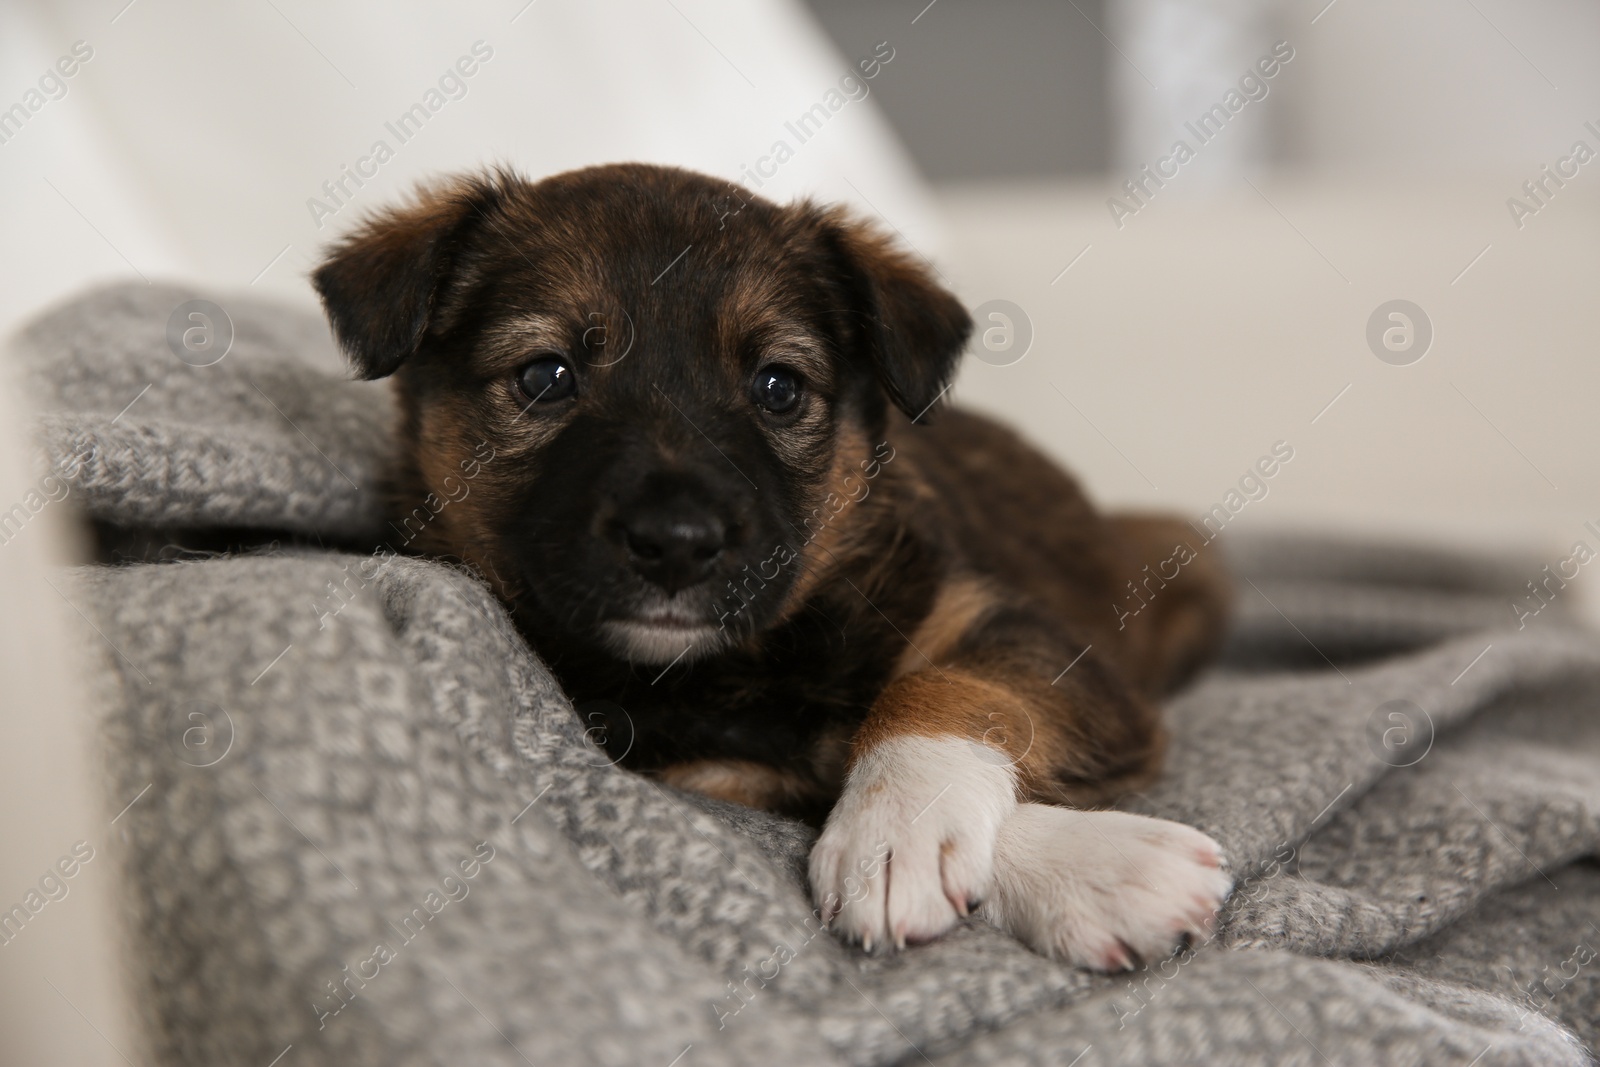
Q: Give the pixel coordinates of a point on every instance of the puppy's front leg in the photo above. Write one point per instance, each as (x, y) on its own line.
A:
(909, 847)
(929, 821)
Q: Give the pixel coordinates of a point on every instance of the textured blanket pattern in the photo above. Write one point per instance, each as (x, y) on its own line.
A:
(383, 836)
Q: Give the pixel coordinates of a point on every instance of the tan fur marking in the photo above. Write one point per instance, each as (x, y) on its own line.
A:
(755, 785)
(756, 309)
(962, 602)
(952, 702)
(509, 344)
(1018, 719)
(449, 465)
(829, 528)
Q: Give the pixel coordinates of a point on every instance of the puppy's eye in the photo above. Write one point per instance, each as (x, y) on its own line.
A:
(547, 378)
(776, 388)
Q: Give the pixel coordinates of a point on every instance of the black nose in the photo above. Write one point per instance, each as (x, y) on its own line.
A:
(672, 548)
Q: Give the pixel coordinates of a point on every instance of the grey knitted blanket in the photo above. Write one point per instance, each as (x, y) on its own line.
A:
(367, 828)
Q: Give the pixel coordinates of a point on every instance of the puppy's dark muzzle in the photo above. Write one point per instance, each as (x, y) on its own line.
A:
(675, 527)
(673, 547)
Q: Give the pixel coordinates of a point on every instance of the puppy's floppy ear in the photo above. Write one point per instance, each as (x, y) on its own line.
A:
(914, 328)
(380, 284)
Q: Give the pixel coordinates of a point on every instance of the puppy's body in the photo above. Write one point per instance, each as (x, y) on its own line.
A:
(712, 510)
(966, 550)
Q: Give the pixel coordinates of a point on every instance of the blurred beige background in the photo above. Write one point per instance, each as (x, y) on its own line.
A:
(1194, 338)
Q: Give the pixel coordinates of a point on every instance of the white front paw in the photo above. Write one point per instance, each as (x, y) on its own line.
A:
(909, 847)
(1104, 889)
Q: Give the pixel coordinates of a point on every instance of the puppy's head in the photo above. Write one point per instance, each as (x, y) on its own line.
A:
(629, 387)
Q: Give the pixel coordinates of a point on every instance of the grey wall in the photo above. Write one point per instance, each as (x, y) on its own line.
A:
(990, 89)
(1032, 89)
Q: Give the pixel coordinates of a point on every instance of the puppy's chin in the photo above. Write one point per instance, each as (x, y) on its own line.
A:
(659, 644)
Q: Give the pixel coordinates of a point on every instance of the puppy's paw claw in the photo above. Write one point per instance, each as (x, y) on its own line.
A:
(911, 840)
(1105, 890)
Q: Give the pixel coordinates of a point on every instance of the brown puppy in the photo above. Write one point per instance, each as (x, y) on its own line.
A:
(700, 480)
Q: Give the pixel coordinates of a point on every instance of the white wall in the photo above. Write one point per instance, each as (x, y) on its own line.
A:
(189, 145)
